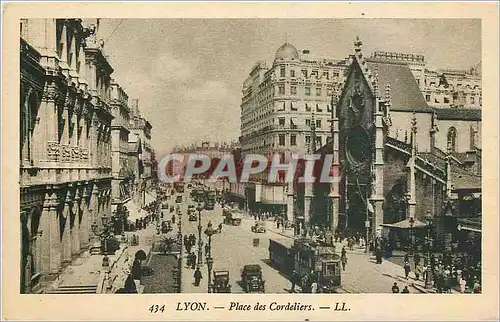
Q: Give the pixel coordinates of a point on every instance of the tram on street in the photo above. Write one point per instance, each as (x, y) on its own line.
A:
(304, 257)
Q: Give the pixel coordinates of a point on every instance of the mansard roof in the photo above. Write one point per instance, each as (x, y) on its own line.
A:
(459, 114)
(405, 93)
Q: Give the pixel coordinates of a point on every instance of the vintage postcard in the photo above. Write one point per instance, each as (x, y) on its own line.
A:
(250, 161)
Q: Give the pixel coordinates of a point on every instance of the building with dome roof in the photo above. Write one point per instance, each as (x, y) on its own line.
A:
(280, 103)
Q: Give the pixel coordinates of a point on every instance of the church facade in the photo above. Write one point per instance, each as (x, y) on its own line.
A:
(398, 158)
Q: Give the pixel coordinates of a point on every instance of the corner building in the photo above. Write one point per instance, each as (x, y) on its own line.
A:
(65, 145)
(278, 109)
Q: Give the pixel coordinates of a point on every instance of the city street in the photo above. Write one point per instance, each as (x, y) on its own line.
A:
(233, 248)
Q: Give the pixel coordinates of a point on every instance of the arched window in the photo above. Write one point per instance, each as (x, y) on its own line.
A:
(452, 139)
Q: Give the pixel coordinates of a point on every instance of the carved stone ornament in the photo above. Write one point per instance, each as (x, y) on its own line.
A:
(50, 94)
(358, 149)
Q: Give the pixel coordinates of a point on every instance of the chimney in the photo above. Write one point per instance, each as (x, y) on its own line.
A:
(135, 108)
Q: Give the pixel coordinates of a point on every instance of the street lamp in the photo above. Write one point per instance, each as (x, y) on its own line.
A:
(200, 242)
(410, 245)
(209, 232)
(428, 278)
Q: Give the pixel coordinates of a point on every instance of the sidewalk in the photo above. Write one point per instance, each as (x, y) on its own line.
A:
(86, 270)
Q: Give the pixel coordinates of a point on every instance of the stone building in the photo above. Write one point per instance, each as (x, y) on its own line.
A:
(278, 107)
(123, 176)
(65, 144)
(441, 87)
(140, 139)
(398, 159)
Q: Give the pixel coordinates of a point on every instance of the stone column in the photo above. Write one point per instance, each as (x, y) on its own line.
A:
(85, 222)
(412, 202)
(377, 182)
(334, 194)
(50, 248)
(66, 233)
(75, 230)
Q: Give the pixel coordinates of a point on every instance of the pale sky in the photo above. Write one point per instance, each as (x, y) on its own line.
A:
(188, 73)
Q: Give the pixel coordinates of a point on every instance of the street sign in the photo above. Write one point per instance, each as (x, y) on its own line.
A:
(367, 224)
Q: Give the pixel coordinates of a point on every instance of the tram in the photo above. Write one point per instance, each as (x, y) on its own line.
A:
(305, 257)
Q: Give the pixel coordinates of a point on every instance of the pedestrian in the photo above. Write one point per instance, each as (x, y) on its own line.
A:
(416, 258)
(395, 288)
(314, 287)
(343, 259)
(405, 290)
(295, 278)
(173, 219)
(136, 272)
(407, 258)
(418, 271)
(407, 268)
(193, 261)
(220, 228)
(463, 284)
(197, 277)
(343, 252)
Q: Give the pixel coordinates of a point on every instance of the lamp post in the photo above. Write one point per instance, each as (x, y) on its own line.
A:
(428, 279)
(410, 246)
(209, 232)
(200, 242)
(179, 242)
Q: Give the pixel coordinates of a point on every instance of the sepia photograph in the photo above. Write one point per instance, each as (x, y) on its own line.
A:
(250, 156)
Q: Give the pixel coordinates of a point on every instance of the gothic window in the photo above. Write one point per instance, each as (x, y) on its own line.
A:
(292, 73)
(452, 138)
(282, 71)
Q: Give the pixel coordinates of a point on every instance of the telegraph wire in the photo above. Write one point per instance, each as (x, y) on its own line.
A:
(112, 33)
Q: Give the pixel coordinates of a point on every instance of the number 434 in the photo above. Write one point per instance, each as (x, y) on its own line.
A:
(155, 308)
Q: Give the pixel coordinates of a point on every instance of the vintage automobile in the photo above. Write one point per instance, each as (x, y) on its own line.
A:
(232, 219)
(221, 282)
(166, 226)
(193, 217)
(259, 227)
(251, 278)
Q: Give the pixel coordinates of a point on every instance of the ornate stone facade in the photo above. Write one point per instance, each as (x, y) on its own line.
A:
(65, 146)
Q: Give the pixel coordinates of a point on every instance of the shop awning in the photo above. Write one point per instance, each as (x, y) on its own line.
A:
(405, 224)
(149, 198)
(133, 210)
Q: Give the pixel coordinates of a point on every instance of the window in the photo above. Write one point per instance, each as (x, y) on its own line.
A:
(318, 91)
(318, 123)
(281, 89)
(281, 121)
(308, 140)
(304, 72)
(328, 139)
(293, 90)
(328, 108)
(428, 98)
(282, 71)
(318, 109)
(281, 139)
(308, 122)
(292, 73)
(472, 100)
(292, 124)
(325, 75)
(446, 100)
(308, 90)
(335, 74)
(293, 140)
(314, 73)
(308, 109)
(452, 138)
(318, 140)
(292, 108)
